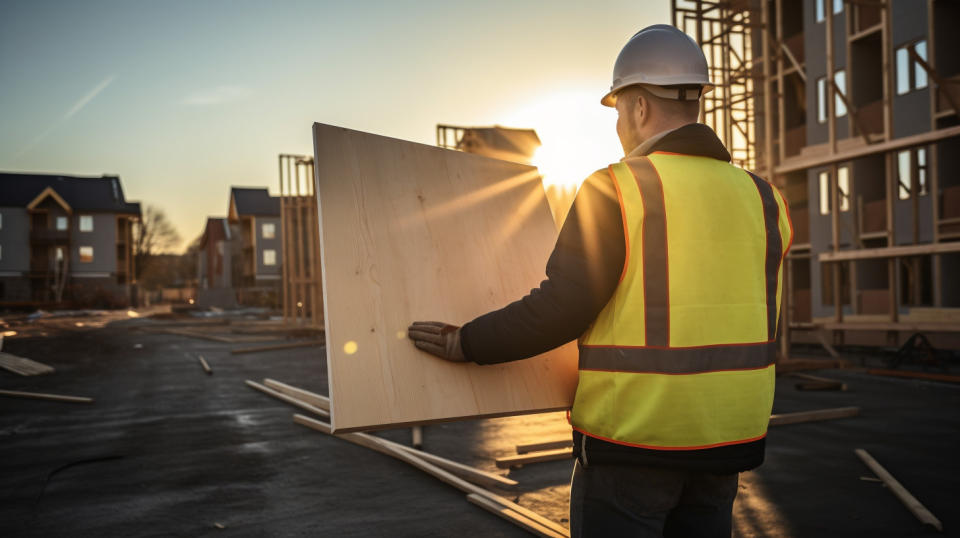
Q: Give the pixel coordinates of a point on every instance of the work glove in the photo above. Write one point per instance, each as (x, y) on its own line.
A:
(438, 339)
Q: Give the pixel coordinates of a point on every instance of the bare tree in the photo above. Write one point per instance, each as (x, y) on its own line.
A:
(154, 235)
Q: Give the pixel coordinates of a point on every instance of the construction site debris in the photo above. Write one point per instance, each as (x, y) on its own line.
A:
(916, 375)
(204, 365)
(534, 457)
(274, 347)
(290, 400)
(42, 396)
(512, 516)
(311, 398)
(818, 383)
(546, 445)
(372, 443)
(813, 416)
(901, 492)
(23, 366)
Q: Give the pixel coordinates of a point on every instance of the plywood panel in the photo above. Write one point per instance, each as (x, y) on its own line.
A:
(414, 232)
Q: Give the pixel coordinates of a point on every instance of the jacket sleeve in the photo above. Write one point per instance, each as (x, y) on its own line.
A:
(582, 273)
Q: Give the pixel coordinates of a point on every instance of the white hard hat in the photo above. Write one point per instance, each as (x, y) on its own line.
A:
(661, 56)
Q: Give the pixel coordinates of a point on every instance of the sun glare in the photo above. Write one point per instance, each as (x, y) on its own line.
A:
(578, 136)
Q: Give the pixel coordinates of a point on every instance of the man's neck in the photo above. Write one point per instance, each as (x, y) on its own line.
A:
(645, 147)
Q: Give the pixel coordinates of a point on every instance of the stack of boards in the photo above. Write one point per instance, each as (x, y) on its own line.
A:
(414, 232)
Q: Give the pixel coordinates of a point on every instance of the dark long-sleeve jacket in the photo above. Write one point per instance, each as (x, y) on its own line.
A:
(582, 275)
(583, 271)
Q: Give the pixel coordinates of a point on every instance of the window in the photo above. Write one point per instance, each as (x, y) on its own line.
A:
(911, 75)
(905, 172)
(839, 107)
(268, 230)
(86, 254)
(824, 193)
(269, 256)
(61, 224)
(86, 223)
(843, 187)
(821, 12)
(822, 99)
(838, 6)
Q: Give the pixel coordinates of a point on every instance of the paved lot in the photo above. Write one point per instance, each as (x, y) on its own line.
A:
(169, 451)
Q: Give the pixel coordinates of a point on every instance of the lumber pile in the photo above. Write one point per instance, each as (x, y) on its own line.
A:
(504, 508)
(22, 366)
(534, 457)
(470, 480)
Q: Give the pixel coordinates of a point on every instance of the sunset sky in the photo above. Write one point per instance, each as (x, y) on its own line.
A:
(184, 99)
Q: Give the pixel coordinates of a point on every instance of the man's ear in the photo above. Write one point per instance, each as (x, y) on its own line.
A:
(641, 109)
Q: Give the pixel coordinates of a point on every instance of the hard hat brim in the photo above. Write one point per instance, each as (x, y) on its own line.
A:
(610, 99)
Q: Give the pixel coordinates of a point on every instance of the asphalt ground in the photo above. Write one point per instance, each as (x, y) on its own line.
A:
(166, 450)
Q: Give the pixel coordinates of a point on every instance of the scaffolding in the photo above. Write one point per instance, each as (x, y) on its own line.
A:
(302, 283)
(755, 50)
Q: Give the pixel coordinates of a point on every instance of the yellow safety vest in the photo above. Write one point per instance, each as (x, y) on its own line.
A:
(682, 356)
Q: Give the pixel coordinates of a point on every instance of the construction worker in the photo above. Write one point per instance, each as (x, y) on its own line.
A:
(668, 271)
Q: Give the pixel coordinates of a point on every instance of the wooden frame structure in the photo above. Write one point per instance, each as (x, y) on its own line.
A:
(743, 41)
(302, 283)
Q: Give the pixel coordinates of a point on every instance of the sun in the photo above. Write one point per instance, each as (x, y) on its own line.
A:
(578, 136)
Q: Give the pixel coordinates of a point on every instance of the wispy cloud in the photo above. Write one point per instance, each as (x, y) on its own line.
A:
(217, 95)
(77, 107)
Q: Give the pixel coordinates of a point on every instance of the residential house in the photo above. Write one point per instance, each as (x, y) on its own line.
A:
(65, 239)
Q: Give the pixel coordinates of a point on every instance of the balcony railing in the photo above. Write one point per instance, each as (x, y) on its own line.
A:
(49, 236)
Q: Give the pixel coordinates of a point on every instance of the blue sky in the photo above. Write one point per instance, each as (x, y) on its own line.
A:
(185, 99)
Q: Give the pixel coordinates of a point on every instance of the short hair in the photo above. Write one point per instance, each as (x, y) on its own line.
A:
(674, 108)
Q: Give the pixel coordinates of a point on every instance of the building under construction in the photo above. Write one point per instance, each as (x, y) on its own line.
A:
(851, 108)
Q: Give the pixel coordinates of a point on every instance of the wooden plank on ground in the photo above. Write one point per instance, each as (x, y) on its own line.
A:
(274, 347)
(415, 232)
(915, 375)
(813, 382)
(535, 457)
(799, 365)
(512, 516)
(372, 443)
(218, 338)
(911, 502)
(23, 366)
(466, 472)
(43, 396)
(311, 398)
(289, 399)
(546, 445)
(204, 365)
(813, 416)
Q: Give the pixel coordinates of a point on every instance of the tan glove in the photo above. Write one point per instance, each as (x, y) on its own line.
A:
(437, 338)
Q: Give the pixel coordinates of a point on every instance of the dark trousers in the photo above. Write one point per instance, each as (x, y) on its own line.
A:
(610, 501)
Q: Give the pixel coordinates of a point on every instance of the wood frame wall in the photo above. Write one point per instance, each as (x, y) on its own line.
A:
(300, 236)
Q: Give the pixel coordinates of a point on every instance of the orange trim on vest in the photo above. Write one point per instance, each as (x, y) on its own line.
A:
(651, 447)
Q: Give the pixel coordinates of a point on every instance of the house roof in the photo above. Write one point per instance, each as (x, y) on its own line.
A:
(255, 201)
(81, 193)
(216, 228)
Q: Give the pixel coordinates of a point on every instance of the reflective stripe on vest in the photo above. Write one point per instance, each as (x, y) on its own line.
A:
(682, 355)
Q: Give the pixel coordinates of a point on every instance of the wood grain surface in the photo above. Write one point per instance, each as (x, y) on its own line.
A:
(414, 232)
